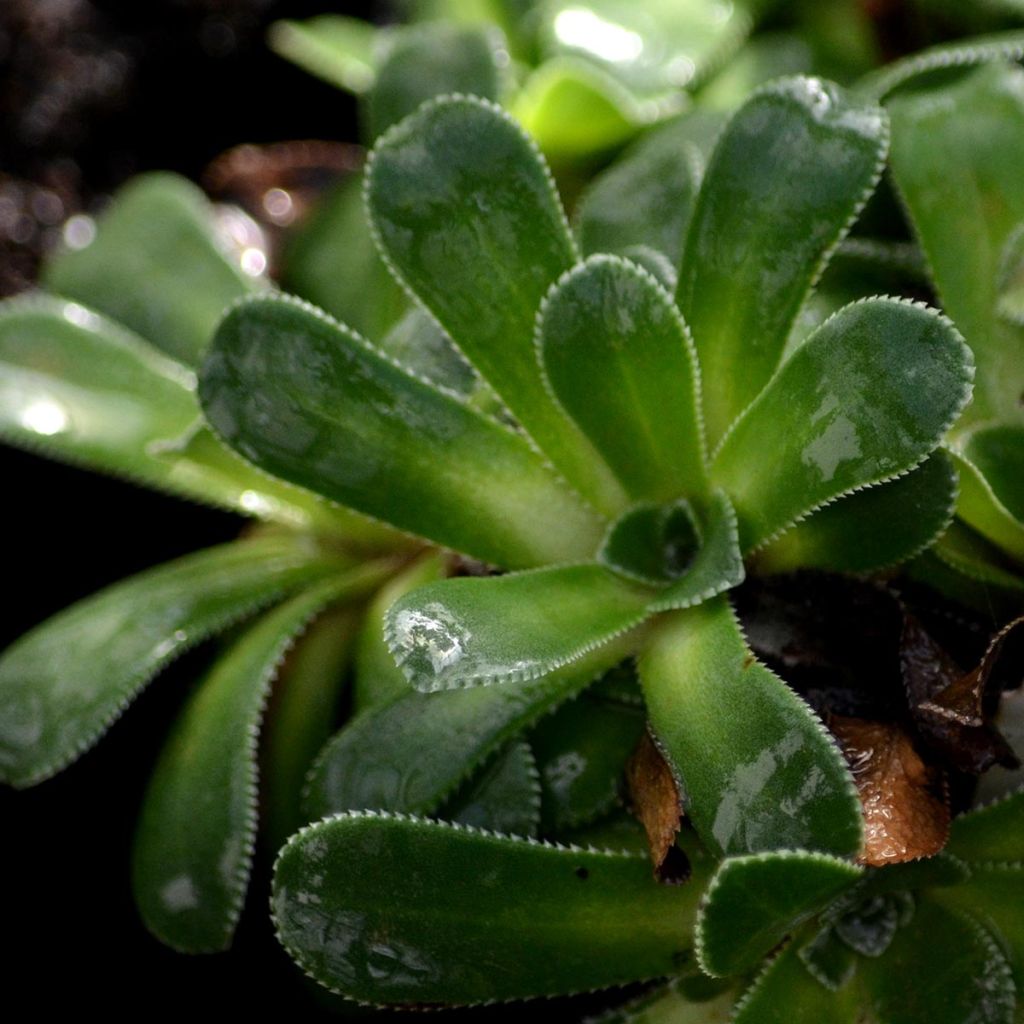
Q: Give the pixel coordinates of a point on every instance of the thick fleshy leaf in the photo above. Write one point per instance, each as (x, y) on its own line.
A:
(977, 562)
(66, 681)
(753, 903)
(849, 409)
(439, 913)
(956, 159)
(472, 631)
(871, 529)
(990, 833)
(974, 985)
(581, 753)
(620, 361)
(504, 796)
(653, 544)
(757, 770)
(310, 401)
(794, 167)
(992, 493)
(466, 212)
(156, 265)
(419, 344)
(828, 959)
(411, 754)
(332, 261)
(644, 198)
(786, 993)
(338, 49)
(302, 713)
(427, 60)
(197, 826)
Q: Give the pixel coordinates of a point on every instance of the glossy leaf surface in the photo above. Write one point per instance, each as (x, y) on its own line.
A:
(794, 166)
(63, 683)
(437, 913)
(620, 361)
(411, 754)
(753, 903)
(848, 409)
(467, 213)
(956, 158)
(155, 265)
(308, 400)
(197, 827)
(871, 529)
(756, 768)
(477, 630)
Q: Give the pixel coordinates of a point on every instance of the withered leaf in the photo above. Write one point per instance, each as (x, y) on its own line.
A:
(906, 812)
(948, 704)
(655, 799)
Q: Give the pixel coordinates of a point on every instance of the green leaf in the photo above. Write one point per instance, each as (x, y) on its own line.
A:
(974, 985)
(339, 50)
(753, 903)
(411, 754)
(765, 57)
(991, 461)
(476, 630)
(652, 544)
(439, 913)
(332, 260)
(302, 713)
(197, 826)
(65, 682)
(974, 559)
(419, 344)
(786, 993)
(874, 528)
(756, 768)
(308, 400)
(620, 361)
(828, 959)
(956, 159)
(156, 265)
(787, 179)
(503, 797)
(670, 1004)
(467, 214)
(847, 410)
(581, 753)
(990, 833)
(645, 198)
(426, 60)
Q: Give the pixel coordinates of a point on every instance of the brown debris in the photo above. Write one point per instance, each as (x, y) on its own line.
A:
(906, 810)
(655, 799)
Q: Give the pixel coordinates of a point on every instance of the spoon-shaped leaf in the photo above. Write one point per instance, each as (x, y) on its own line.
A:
(865, 399)
(791, 172)
(620, 361)
(155, 265)
(992, 491)
(411, 754)
(65, 682)
(756, 768)
(197, 827)
(753, 903)
(466, 212)
(396, 910)
(310, 401)
(874, 528)
(471, 630)
(956, 158)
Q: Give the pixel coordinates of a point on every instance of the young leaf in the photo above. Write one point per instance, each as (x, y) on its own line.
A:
(65, 682)
(753, 903)
(155, 265)
(619, 359)
(310, 401)
(757, 769)
(441, 913)
(338, 49)
(871, 529)
(956, 159)
(196, 830)
(470, 631)
(652, 544)
(466, 212)
(848, 409)
(411, 754)
(790, 174)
